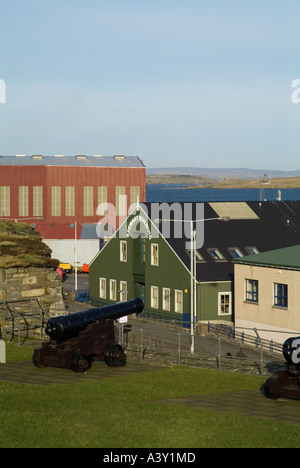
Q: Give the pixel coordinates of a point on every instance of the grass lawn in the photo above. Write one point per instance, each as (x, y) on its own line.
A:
(123, 412)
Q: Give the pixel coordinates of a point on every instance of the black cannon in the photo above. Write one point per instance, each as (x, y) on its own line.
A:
(285, 383)
(76, 339)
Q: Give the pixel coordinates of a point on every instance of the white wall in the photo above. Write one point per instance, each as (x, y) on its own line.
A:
(64, 250)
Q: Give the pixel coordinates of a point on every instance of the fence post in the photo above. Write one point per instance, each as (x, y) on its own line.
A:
(219, 355)
(142, 351)
(179, 350)
(259, 340)
(2, 352)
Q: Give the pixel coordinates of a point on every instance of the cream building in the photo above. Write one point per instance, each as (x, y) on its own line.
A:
(267, 294)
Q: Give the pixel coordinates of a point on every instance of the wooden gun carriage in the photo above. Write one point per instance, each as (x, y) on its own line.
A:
(76, 339)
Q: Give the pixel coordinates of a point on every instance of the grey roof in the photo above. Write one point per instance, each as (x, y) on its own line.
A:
(90, 231)
(78, 160)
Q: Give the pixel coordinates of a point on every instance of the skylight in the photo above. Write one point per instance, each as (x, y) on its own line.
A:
(216, 255)
(235, 252)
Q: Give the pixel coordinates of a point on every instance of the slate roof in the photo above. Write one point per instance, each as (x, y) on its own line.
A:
(275, 226)
(288, 258)
(66, 231)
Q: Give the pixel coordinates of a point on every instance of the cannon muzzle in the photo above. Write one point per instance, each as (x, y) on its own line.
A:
(68, 326)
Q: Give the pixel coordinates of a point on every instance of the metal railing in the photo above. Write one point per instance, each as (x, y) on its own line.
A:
(172, 347)
(239, 335)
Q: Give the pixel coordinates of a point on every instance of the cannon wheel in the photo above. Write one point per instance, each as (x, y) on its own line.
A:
(37, 361)
(80, 363)
(267, 391)
(114, 356)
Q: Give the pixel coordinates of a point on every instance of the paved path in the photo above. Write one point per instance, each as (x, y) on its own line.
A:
(26, 373)
(249, 403)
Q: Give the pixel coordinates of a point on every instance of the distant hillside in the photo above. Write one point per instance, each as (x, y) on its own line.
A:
(190, 181)
(210, 173)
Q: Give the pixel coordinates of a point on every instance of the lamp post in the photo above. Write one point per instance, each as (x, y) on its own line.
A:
(193, 303)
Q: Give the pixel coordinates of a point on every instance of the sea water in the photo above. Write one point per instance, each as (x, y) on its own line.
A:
(179, 193)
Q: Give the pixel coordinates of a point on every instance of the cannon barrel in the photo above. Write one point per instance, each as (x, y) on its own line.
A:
(68, 326)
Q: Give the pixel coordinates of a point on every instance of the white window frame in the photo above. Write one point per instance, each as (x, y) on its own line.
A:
(154, 255)
(102, 288)
(220, 295)
(166, 299)
(178, 305)
(123, 291)
(113, 290)
(123, 251)
(154, 300)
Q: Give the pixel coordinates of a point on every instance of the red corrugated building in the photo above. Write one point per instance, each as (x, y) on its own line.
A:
(67, 189)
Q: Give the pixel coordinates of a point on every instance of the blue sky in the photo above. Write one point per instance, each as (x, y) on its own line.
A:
(178, 83)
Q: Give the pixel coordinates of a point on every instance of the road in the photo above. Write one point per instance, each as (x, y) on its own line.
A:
(82, 282)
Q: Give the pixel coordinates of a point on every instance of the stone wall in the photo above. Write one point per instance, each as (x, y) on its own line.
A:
(22, 283)
(17, 284)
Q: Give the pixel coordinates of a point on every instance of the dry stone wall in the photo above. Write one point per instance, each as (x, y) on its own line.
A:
(17, 284)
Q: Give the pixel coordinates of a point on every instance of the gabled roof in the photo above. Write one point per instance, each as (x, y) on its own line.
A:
(264, 225)
(288, 258)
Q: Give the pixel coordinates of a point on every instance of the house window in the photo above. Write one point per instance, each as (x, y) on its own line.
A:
(154, 297)
(166, 299)
(55, 201)
(123, 251)
(154, 254)
(102, 288)
(113, 290)
(123, 291)
(216, 255)
(235, 252)
(23, 200)
(38, 200)
(178, 301)
(143, 250)
(281, 295)
(225, 304)
(252, 250)
(251, 290)
(70, 200)
(88, 201)
(5, 201)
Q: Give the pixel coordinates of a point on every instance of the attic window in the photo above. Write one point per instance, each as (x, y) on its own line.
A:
(197, 254)
(216, 255)
(252, 250)
(235, 252)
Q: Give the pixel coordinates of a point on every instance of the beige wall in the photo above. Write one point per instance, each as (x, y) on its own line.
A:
(264, 315)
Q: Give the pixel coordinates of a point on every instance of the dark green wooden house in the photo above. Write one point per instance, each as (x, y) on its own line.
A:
(148, 258)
